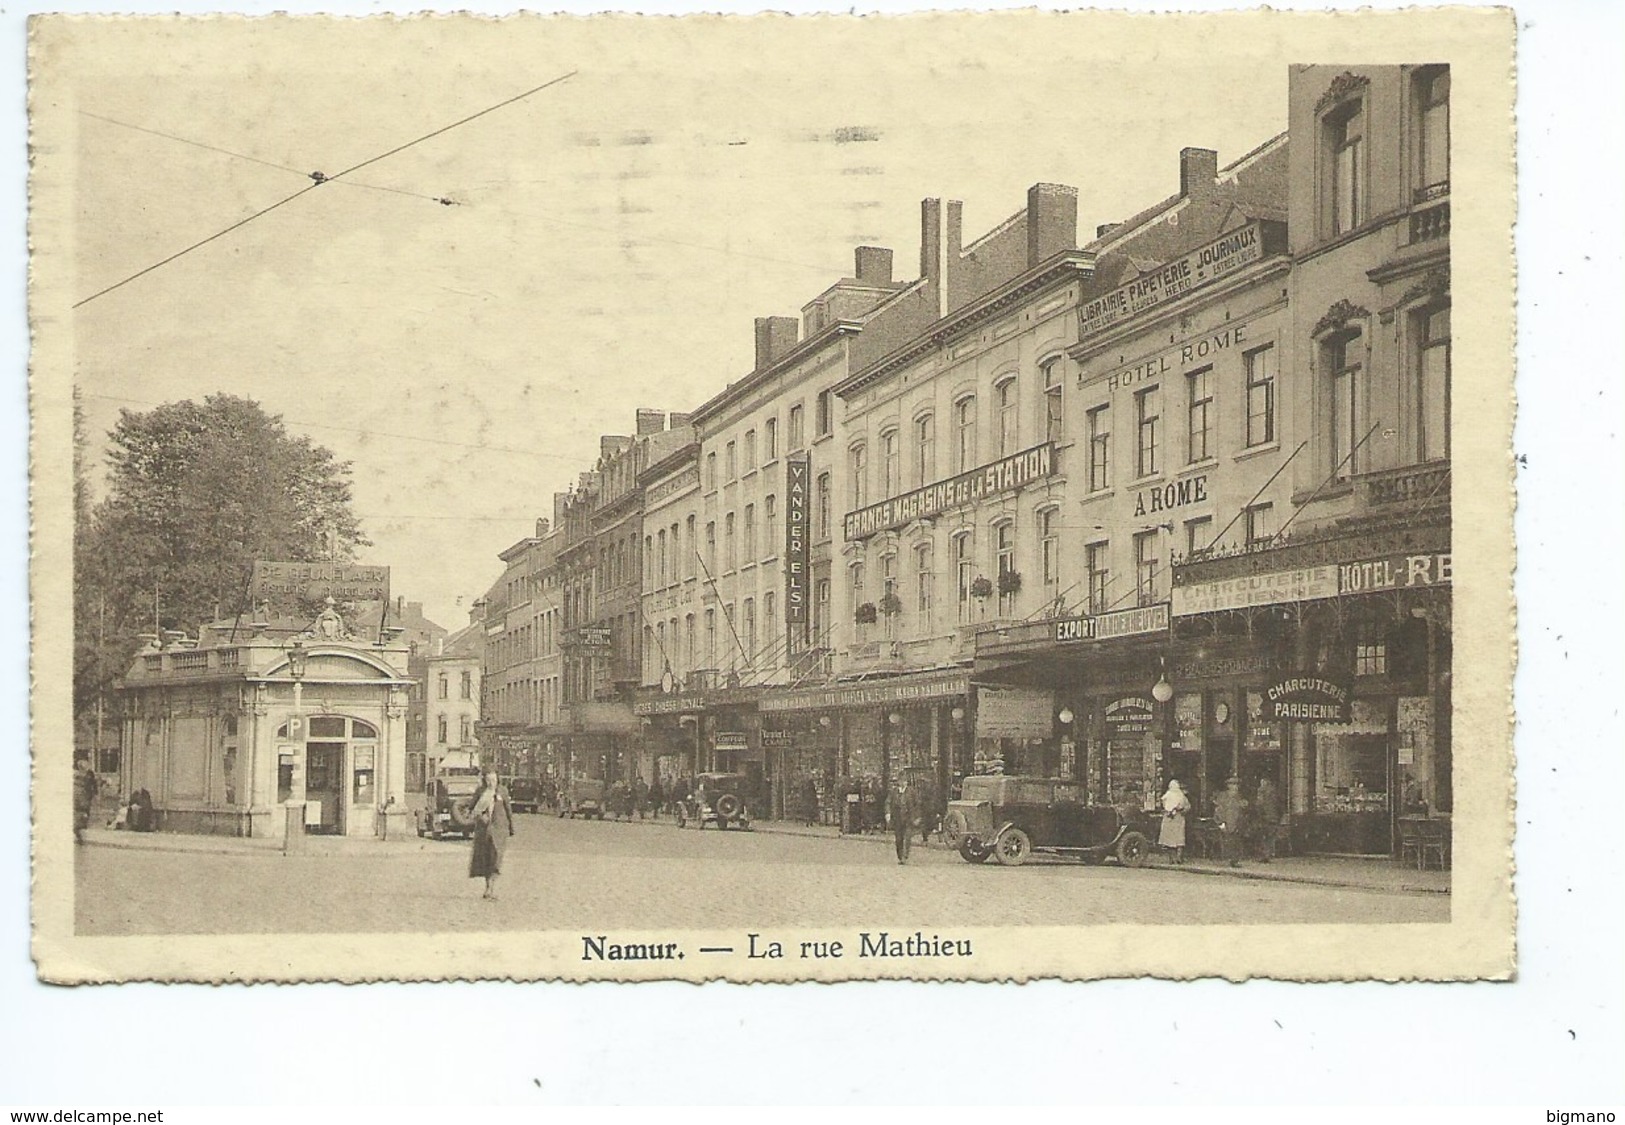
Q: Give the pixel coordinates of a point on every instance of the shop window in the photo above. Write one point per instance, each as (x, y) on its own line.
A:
(1148, 425)
(1100, 448)
(1100, 575)
(1340, 359)
(925, 449)
(965, 434)
(1370, 655)
(1054, 417)
(1199, 388)
(1005, 401)
(1146, 565)
(1433, 384)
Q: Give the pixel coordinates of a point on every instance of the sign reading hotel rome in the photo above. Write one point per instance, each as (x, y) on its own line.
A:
(1004, 475)
(1123, 623)
(795, 538)
(1302, 585)
(283, 582)
(1207, 264)
(1396, 572)
(1310, 699)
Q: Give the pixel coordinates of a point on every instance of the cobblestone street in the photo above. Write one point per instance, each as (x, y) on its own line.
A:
(578, 874)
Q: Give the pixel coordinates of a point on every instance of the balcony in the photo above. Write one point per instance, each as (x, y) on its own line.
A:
(1430, 215)
(1416, 486)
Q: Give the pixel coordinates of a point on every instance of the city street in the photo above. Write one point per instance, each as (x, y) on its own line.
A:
(562, 874)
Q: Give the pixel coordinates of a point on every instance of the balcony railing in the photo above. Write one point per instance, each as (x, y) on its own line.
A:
(1431, 222)
(1414, 485)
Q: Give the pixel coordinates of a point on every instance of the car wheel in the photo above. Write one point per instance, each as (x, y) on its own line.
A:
(727, 807)
(972, 852)
(1012, 847)
(954, 828)
(1133, 849)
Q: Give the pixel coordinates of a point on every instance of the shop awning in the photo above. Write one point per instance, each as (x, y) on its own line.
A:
(921, 687)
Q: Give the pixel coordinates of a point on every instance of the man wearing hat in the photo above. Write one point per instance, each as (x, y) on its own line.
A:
(1230, 809)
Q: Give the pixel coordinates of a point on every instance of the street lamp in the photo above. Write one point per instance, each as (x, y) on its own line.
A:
(1066, 716)
(1162, 691)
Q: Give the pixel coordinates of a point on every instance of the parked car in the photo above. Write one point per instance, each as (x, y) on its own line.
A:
(584, 797)
(449, 805)
(1009, 818)
(524, 793)
(717, 798)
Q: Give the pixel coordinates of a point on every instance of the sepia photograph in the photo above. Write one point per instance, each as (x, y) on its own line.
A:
(773, 498)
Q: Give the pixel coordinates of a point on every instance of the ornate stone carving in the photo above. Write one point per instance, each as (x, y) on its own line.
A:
(1338, 316)
(1433, 285)
(1344, 85)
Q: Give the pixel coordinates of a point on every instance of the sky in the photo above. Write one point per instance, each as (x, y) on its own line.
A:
(610, 237)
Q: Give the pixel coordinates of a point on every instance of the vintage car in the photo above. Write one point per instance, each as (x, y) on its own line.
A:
(717, 798)
(584, 797)
(449, 804)
(1009, 818)
(524, 793)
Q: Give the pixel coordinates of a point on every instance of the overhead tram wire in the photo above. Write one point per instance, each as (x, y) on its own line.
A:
(317, 180)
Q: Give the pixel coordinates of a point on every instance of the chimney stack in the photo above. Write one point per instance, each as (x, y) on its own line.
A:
(678, 421)
(1052, 221)
(1106, 228)
(1198, 170)
(541, 528)
(650, 422)
(939, 246)
(775, 335)
(873, 265)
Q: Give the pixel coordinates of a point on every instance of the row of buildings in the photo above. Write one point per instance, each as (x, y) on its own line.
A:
(1172, 501)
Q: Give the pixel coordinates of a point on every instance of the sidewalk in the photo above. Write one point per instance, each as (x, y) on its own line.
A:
(245, 845)
(1378, 873)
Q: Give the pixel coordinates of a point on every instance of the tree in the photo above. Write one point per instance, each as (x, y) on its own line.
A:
(196, 493)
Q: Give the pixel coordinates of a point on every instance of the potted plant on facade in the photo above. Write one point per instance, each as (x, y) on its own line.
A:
(981, 587)
(1009, 581)
(890, 604)
(866, 613)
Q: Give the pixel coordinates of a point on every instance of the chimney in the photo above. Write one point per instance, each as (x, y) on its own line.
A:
(775, 335)
(400, 606)
(1052, 221)
(650, 422)
(873, 265)
(678, 421)
(1106, 228)
(1198, 169)
(939, 246)
(541, 528)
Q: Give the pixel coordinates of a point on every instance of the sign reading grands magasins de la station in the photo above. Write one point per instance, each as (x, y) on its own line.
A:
(1004, 475)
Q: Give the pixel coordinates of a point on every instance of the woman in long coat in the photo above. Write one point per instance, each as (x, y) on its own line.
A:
(493, 824)
(1174, 807)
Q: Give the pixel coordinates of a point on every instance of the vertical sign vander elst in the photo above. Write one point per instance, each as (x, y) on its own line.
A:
(795, 539)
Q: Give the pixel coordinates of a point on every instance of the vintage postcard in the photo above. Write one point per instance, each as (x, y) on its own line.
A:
(955, 496)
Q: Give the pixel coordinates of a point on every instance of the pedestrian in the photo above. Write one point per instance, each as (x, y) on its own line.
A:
(657, 796)
(809, 800)
(904, 808)
(1174, 807)
(640, 797)
(1266, 818)
(493, 825)
(1230, 807)
(84, 795)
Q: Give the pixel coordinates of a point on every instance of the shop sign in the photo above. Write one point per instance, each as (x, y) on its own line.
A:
(775, 738)
(731, 740)
(1394, 572)
(1278, 587)
(1130, 715)
(797, 471)
(1004, 475)
(1174, 494)
(1212, 667)
(286, 582)
(1306, 698)
(1122, 623)
(593, 636)
(693, 702)
(1014, 713)
(657, 494)
(1218, 259)
(912, 689)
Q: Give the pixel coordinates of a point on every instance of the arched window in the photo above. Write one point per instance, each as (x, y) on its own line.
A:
(891, 467)
(965, 434)
(1005, 398)
(858, 471)
(964, 561)
(924, 583)
(925, 450)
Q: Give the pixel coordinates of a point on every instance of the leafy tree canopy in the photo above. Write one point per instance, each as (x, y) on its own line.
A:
(197, 492)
